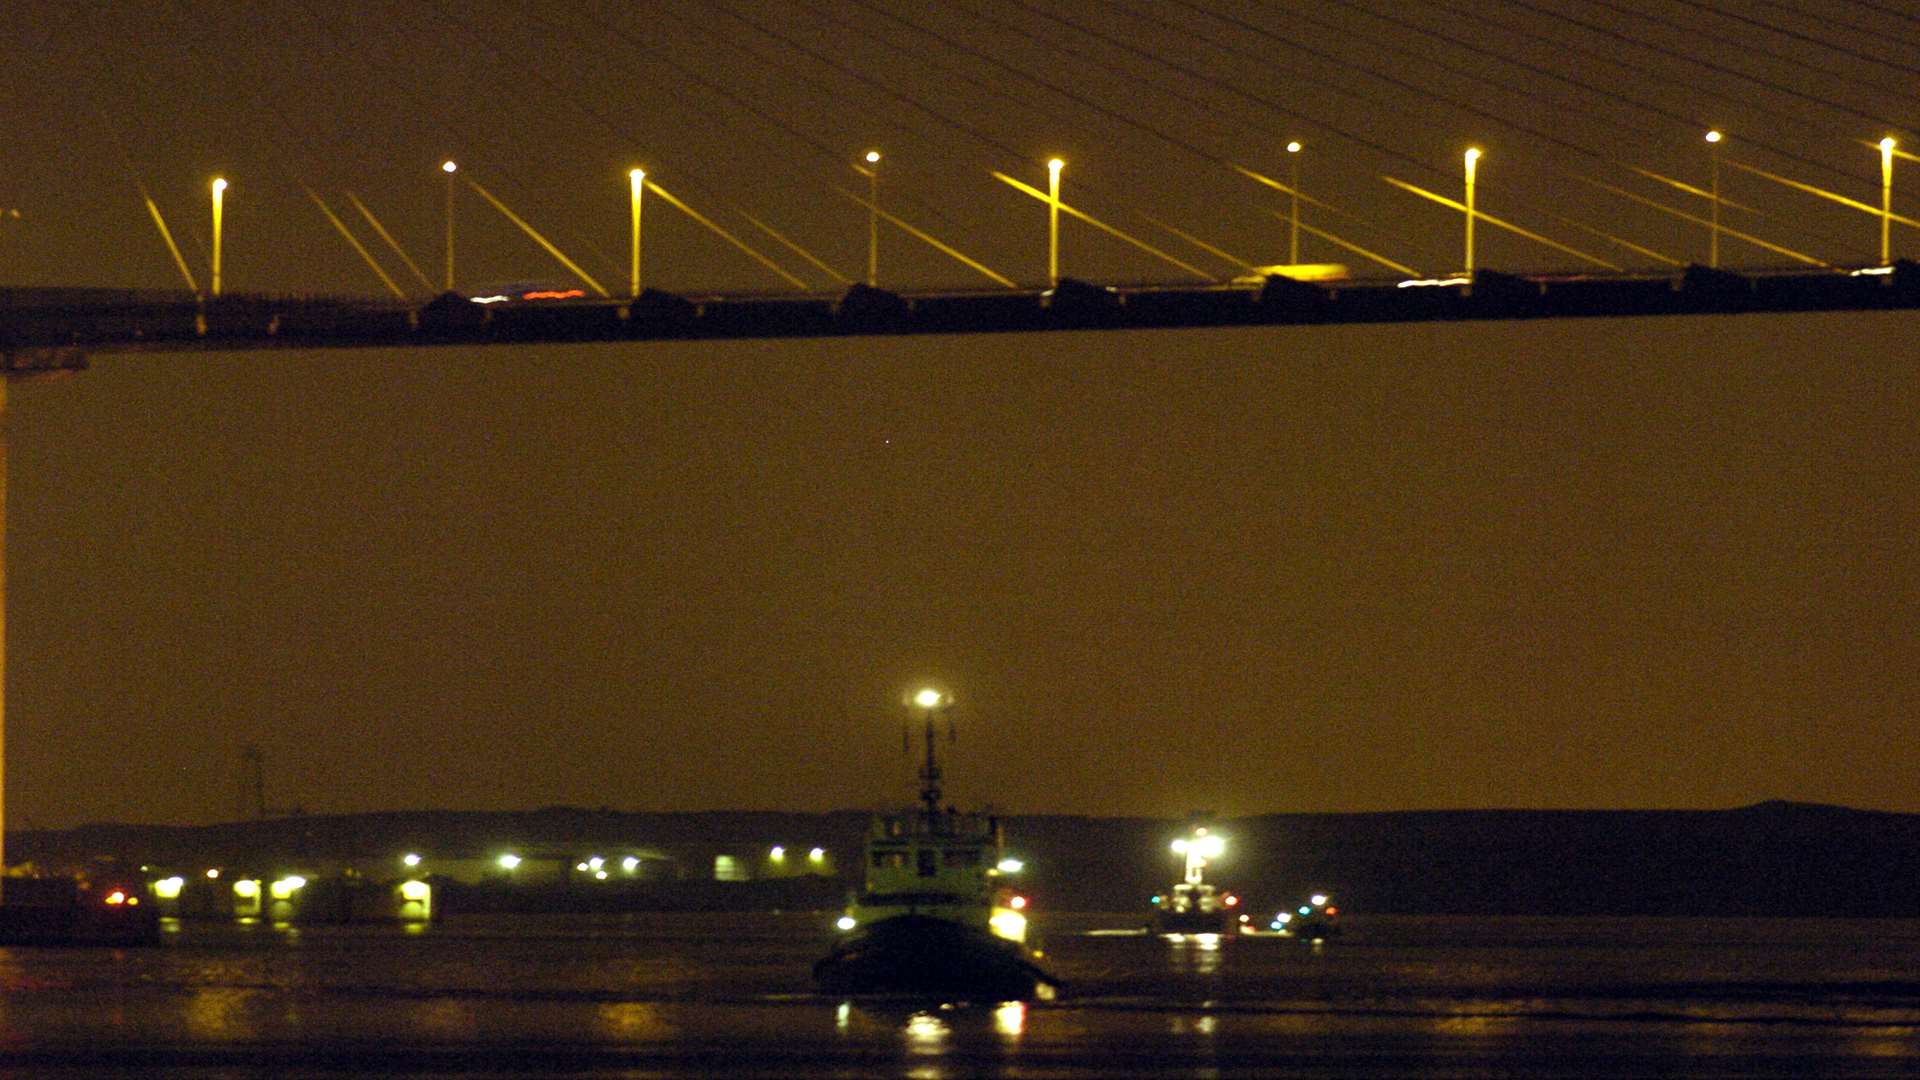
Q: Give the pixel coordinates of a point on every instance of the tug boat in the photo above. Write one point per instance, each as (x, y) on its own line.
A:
(1315, 920)
(1195, 905)
(935, 916)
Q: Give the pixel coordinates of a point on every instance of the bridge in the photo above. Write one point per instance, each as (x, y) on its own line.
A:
(51, 331)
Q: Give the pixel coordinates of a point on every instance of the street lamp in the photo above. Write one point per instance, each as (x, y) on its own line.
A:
(1293, 231)
(1053, 221)
(637, 182)
(219, 201)
(449, 168)
(1713, 240)
(873, 218)
(1886, 196)
(1473, 160)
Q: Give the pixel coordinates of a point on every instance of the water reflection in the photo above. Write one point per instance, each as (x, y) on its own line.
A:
(1010, 1019)
(633, 1020)
(223, 1013)
(1197, 954)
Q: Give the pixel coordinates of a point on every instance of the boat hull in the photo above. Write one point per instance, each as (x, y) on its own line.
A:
(922, 955)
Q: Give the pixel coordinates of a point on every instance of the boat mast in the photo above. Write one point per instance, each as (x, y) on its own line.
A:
(931, 703)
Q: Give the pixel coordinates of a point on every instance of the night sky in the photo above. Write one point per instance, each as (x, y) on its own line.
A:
(1604, 563)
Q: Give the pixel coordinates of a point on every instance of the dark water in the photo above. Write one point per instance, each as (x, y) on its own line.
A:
(703, 995)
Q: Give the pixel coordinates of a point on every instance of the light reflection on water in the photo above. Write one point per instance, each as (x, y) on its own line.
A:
(682, 989)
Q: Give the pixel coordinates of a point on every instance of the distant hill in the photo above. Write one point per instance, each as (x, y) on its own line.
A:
(1774, 858)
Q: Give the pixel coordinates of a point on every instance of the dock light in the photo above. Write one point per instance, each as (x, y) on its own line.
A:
(817, 855)
(116, 897)
(1306, 911)
(213, 874)
(1017, 903)
(508, 861)
(596, 862)
(1318, 899)
(1231, 900)
(246, 888)
(286, 887)
(415, 892)
(410, 859)
(1011, 866)
(580, 867)
(778, 853)
(630, 864)
(846, 922)
(169, 888)
(599, 875)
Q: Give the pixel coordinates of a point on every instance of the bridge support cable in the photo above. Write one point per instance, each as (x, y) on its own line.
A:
(724, 234)
(166, 234)
(1810, 189)
(386, 236)
(1304, 227)
(1707, 224)
(354, 241)
(1482, 215)
(780, 238)
(538, 239)
(1029, 189)
(1223, 256)
(932, 242)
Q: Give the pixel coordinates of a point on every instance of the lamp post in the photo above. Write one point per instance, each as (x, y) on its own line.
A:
(1713, 237)
(637, 183)
(219, 202)
(931, 702)
(1473, 160)
(1293, 228)
(1053, 221)
(873, 218)
(449, 168)
(1886, 197)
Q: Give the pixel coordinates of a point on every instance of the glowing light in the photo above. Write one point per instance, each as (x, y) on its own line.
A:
(596, 862)
(778, 853)
(873, 157)
(817, 855)
(1231, 900)
(1888, 144)
(1010, 925)
(1180, 846)
(1018, 903)
(415, 891)
(630, 864)
(1212, 846)
(636, 175)
(1306, 911)
(1156, 899)
(846, 922)
(1011, 866)
(287, 886)
(213, 874)
(1473, 153)
(1318, 899)
(448, 167)
(1010, 1018)
(1333, 911)
(553, 294)
(116, 897)
(1293, 148)
(1055, 165)
(494, 299)
(1714, 136)
(410, 859)
(508, 861)
(246, 888)
(169, 888)
(929, 698)
(599, 875)
(1426, 282)
(580, 867)
(219, 184)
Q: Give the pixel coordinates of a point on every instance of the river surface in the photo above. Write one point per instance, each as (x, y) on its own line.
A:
(700, 995)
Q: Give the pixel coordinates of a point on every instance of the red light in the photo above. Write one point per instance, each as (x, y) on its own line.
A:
(553, 294)
(116, 898)
(1231, 900)
(1333, 911)
(1017, 903)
